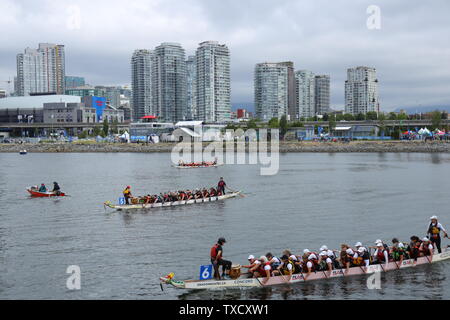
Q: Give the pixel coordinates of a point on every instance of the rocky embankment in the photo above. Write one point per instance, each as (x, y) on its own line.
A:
(354, 146)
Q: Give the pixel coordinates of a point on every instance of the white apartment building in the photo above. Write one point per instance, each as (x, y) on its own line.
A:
(361, 90)
(213, 89)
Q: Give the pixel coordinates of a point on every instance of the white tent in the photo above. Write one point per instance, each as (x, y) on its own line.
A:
(125, 136)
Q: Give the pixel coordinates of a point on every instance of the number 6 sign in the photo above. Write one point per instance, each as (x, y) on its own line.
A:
(206, 272)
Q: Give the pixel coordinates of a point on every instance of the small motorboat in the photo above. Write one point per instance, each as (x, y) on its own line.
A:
(34, 192)
(23, 151)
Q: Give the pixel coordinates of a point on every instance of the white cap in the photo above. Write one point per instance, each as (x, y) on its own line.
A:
(293, 257)
(251, 257)
(433, 217)
(380, 244)
(377, 241)
(263, 258)
(425, 239)
(306, 251)
(349, 251)
(323, 253)
(324, 247)
(358, 244)
(401, 245)
(361, 250)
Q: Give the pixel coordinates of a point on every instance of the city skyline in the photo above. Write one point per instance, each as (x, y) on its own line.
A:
(411, 60)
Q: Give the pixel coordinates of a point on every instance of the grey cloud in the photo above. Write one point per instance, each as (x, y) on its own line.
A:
(411, 51)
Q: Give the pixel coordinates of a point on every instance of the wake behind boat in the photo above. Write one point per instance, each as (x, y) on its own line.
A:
(244, 281)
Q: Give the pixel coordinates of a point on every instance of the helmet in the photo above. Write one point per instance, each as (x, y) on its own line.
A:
(221, 240)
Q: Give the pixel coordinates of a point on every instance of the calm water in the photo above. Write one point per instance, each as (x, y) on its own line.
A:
(315, 199)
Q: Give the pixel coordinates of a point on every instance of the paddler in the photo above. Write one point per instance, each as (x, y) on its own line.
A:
(56, 188)
(434, 232)
(381, 255)
(286, 268)
(398, 251)
(217, 260)
(253, 265)
(221, 186)
(426, 248)
(310, 259)
(127, 194)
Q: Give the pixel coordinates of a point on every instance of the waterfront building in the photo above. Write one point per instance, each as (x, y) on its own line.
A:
(322, 94)
(271, 90)
(41, 70)
(86, 90)
(361, 90)
(141, 83)
(169, 99)
(74, 82)
(191, 92)
(305, 91)
(213, 82)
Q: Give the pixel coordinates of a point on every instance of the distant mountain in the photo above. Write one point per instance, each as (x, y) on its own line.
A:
(423, 109)
(249, 106)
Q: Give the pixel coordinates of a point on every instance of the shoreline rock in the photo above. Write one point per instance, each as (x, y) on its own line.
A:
(284, 147)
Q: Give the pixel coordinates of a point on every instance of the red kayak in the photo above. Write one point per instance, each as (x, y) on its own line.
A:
(35, 193)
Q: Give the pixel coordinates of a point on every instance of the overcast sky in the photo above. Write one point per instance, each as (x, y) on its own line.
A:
(411, 50)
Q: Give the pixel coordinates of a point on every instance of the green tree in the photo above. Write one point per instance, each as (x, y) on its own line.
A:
(283, 126)
(105, 129)
(371, 115)
(325, 117)
(115, 126)
(97, 131)
(360, 116)
(331, 124)
(274, 123)
(436, 118)
(252, 124)
(392, 116)
(349, 117)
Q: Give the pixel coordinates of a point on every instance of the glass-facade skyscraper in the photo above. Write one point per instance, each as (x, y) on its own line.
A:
(169, 82)
(213, 82)
(141, 84)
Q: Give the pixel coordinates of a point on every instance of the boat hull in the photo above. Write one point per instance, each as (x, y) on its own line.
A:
(303, 277)
(193, 167)
(170, 204)
(38, 194)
